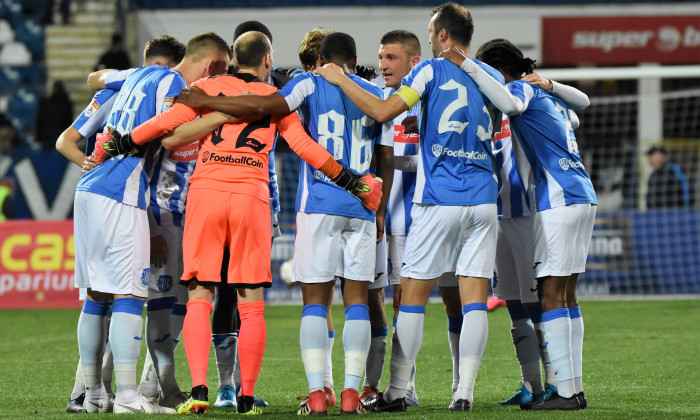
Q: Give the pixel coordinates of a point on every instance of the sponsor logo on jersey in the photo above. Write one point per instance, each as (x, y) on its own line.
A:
(250, 142)
(320, 175)
(145, 276)
(92, 108)
(167, 103)
(438, 151)
(165, 283)
(236, 160)
(505, 131)
(185, 153)
(401, 137)
(567, 163)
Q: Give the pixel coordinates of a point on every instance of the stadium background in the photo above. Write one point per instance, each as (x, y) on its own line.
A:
(638, 61)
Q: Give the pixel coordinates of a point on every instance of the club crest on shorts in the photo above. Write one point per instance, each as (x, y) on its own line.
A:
(145, 276)
(437, 150)
(165, 283)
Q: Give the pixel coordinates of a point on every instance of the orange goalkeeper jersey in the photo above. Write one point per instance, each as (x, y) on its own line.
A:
(235, 156)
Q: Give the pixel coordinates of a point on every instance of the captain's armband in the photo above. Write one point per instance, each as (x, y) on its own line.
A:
(409, 95)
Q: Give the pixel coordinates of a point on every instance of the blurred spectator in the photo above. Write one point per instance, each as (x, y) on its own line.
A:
(115, 57)
(668, 186)
(54, 114)
(63, 8)
(8, 136)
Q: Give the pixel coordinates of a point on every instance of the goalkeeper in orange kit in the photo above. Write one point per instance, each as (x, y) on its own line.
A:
(335, 235)
(228, 207)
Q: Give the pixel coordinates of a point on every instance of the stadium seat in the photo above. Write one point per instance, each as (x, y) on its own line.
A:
(32, 7)
(9, 80)
(31, 33)
(13, 12)
(15, 54)
(22, 108)
(7, 34)
(33, 74)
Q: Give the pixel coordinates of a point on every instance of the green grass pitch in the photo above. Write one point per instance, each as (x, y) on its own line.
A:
(640, 362)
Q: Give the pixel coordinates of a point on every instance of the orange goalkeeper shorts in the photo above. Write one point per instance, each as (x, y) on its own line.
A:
(217, 219)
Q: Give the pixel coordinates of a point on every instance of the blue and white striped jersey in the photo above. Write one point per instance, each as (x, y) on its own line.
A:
(548, 143)
(170, 184)
(146, 93)
(513, 200)
(455, 165)
(398, 213)
(94, 117)
(274, 189)
(337, 124)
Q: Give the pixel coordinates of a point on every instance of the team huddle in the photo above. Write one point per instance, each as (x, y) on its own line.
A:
(459, 167)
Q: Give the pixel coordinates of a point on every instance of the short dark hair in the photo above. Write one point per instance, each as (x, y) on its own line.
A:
(656, 149)
(456, 20)
(204, 43)
(251, 25)
(249, 50)
(407, 39)
(164, 46)
(338, 45)
(502, 54)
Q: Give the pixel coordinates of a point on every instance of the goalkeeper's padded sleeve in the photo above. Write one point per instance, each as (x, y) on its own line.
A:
(299, 141)
(163, 123)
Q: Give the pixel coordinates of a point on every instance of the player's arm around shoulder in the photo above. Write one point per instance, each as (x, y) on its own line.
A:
(196, 129)
(375, 107)
(488, 84)
(238, 106)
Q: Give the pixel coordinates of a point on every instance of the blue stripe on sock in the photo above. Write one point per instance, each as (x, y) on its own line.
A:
(331, 334)
(535, 314)
(91, 307)
(575, 312)
(132, 306)
(413, 309)
(315, 310)
(454, 325)
(517, 312)
(380, 332)
(180, 310)
(356, 312)
(554, 314)
(161, 304)
(473, 307)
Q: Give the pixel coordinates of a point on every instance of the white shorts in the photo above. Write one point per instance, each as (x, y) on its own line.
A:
(381, 277)
(515, 275)
(396, 244)
(329, 245)
(562, 237)
(165, 281)
(112, 245)
(461, 239)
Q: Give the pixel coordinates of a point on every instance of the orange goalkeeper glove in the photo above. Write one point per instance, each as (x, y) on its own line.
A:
(112, 144)
(367, 188)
